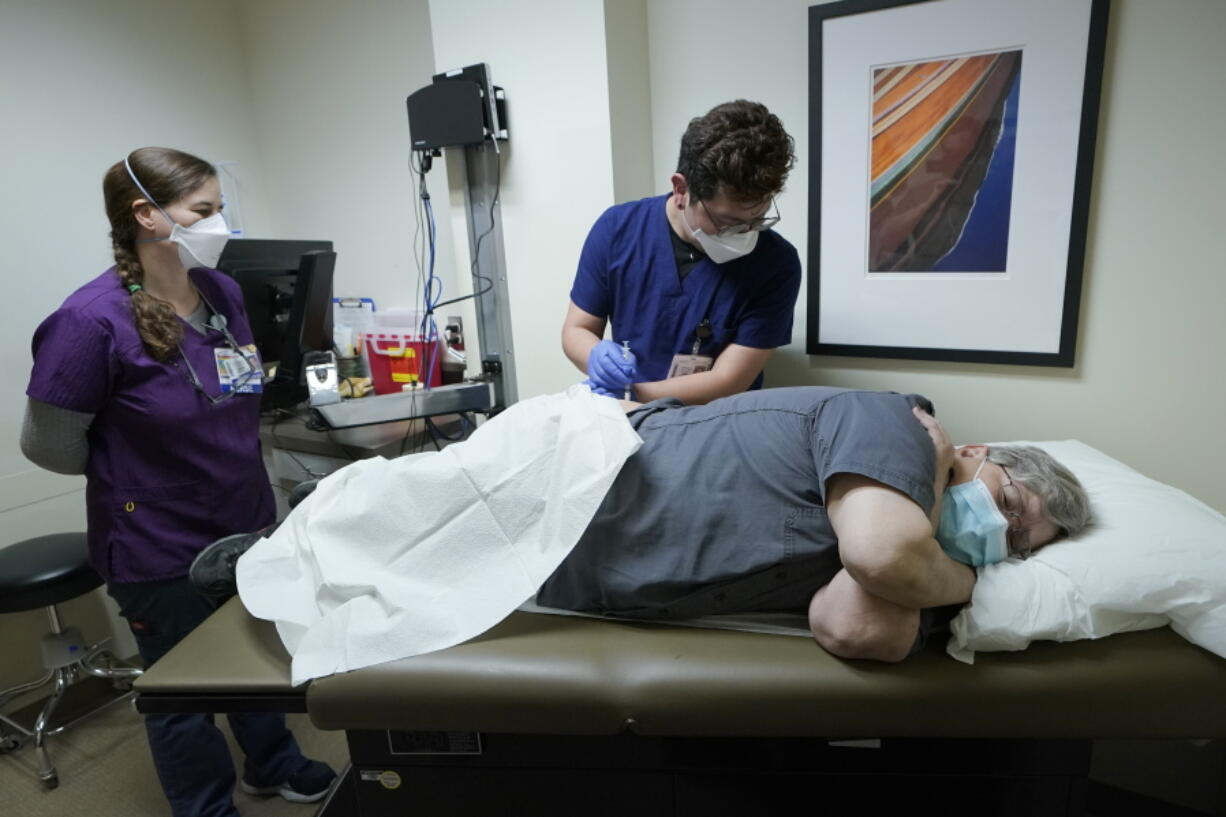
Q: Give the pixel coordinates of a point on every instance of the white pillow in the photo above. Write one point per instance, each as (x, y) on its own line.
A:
(1154, 556)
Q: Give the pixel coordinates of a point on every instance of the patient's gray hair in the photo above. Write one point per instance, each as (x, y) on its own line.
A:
(1064, 500)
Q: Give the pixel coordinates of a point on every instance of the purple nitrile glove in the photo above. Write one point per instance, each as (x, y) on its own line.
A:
(608, 369)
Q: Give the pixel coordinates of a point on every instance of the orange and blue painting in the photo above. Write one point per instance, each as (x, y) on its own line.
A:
(943, 138)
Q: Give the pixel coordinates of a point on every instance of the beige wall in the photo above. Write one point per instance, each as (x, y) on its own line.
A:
(1148, 387)
(328, 82)
(557, 176)
(629, 70)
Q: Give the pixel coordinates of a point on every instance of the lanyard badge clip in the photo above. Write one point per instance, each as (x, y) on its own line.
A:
(701, 334)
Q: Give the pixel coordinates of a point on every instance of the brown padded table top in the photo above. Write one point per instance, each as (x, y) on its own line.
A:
(542, 674)
(231, 652)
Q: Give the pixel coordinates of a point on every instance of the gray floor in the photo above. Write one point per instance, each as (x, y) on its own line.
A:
(106, 771)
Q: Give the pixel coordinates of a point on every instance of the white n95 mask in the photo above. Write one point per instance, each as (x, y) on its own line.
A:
(727, 248)
(200, 244)
(723, 248)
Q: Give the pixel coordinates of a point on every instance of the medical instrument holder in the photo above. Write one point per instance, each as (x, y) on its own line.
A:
(475, 167)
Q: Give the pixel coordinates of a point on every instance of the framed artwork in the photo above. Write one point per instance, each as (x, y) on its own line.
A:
(951, 154)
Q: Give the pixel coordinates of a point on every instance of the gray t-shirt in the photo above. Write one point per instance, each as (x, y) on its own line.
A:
(722, 509)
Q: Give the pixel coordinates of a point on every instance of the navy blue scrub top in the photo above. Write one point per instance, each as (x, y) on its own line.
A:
(628, 275)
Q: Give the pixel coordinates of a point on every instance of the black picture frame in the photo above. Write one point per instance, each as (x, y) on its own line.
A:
(1069, 301)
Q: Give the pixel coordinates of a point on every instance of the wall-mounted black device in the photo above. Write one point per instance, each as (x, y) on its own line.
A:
(459, 107)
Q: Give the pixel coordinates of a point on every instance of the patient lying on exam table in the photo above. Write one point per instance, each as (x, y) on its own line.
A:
(853, 505)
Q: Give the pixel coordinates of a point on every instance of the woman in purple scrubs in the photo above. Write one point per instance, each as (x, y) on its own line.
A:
(146, 381)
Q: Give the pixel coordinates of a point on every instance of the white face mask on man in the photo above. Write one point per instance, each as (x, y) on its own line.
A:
(723, 248)
(200, 244)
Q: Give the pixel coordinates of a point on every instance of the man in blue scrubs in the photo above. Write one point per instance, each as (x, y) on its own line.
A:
(695, 282)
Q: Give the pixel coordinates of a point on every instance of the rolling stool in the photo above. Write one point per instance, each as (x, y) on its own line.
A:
(44, 572)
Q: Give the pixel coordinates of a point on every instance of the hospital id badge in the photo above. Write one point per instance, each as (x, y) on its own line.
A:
(690, 364)
(239, 370)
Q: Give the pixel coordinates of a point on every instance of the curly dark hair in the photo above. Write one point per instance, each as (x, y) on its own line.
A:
(739, 149)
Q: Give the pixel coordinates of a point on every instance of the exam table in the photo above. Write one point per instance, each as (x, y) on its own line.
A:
(554, 715)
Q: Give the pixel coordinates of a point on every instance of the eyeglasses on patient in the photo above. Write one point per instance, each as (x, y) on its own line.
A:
(1017, 537)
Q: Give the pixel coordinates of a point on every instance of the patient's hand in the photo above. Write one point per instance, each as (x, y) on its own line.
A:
(945, 460)
(629, 405)
(940, 440)
(850, 622)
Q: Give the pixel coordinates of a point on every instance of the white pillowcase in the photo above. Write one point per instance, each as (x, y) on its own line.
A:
(1154, 556)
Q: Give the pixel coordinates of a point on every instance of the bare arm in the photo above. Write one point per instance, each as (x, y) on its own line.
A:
(580, 332)
(850, 622)
(892, 567)
(886, 544)
(733, 372)
(846, 619)
(945, 459)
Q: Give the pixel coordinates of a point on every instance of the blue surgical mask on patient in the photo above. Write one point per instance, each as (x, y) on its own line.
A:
(972, 529)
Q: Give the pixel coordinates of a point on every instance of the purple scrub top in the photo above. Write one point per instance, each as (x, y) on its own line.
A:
(168, 471)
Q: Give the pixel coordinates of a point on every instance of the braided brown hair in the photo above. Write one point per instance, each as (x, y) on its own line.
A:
(168, 175)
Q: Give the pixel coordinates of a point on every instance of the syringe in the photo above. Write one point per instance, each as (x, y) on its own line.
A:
(626, 356)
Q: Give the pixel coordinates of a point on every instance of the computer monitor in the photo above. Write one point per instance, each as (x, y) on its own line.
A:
(287, 292)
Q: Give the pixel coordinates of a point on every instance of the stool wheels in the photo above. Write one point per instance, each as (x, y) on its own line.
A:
(11, 742)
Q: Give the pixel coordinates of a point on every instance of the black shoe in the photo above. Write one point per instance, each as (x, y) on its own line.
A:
(213, 570)
(307, 786)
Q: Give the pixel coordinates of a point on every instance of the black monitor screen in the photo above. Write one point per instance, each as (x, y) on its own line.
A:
(287, 292)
